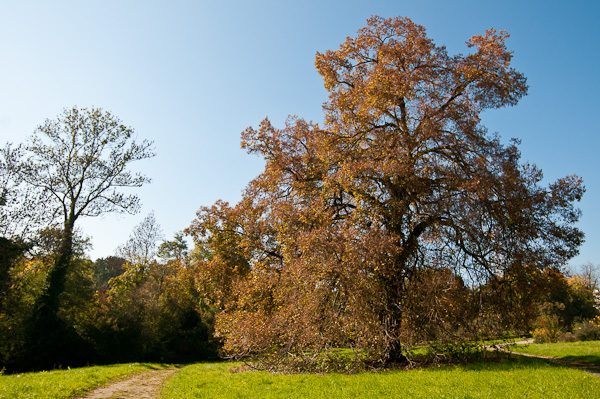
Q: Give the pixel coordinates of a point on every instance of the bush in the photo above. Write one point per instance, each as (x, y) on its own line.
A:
(543, 335)
(547, 326)
(587, 330)
(567, 337)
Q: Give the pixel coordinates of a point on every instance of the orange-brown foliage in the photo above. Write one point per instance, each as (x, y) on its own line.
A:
(332, 243)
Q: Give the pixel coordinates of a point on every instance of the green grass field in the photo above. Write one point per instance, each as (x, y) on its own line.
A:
(586, 351)
(518, 378)
(65, 383)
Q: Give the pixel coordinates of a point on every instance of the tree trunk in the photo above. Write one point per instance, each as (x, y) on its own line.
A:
(51, 342)
(394, 286)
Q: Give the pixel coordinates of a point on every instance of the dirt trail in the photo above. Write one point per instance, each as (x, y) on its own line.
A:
(145, 385)
(589, 367)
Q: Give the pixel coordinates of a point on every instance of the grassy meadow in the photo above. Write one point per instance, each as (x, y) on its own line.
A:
(581, 351)
(65, 383)
(501, 377)
(514, 378)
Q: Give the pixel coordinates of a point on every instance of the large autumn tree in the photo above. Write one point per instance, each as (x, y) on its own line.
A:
(401, 193)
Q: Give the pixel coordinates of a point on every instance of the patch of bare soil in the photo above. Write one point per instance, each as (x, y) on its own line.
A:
(145, 385)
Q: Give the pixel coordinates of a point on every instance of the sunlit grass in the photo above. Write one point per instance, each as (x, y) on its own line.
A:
(513, 378)
(65, 383)
(587, 351)
(518, 378)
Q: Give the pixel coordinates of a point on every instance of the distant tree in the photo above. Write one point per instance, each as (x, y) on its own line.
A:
(332, 237)
(103, 269)
(218, 253)
(590, 274)
(176, 249)
(153, 310)
(141, 247)
(78, 163)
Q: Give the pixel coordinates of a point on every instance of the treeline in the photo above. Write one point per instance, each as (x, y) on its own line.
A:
(117, 309)
(57, 308)
(156, 302)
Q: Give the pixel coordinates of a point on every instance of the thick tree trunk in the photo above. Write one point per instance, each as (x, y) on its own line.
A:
(394, 287)
(391, 321)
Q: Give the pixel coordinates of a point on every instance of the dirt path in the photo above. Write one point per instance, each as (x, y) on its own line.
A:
(584, 366)
(144, 385)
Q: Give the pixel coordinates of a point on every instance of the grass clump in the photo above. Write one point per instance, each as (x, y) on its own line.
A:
(65, 383)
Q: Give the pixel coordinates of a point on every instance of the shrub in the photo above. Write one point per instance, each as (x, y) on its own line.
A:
(567, 337)
(587, 330)
(543, 335)
(547, 325)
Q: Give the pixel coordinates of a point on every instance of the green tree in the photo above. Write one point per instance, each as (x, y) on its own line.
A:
(79, 163)
(26, 284)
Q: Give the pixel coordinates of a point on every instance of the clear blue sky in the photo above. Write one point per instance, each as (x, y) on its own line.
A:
(191, 75)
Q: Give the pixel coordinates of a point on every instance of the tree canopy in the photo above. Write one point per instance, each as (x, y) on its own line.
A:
(141, 247)
(402, 193)
(81, 159)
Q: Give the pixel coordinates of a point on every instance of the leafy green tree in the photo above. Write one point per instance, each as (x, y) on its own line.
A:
(79, 164)
(26, 284)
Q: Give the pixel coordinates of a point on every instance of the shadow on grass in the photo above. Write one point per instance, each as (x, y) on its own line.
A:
(593, 359)
(162, 366)
(503, 363)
